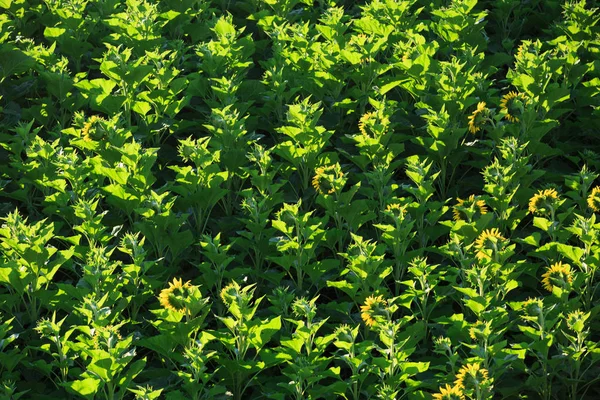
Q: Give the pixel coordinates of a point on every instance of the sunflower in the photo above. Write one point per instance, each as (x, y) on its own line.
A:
(231, 293)
(344, 333)
(374, 124)
(373, 308)
(557, 275)
(480, 331)
(593, 199)
(478, 117)
(92, 129)
(533, 307)
(576, 321)
(489, 239)
(472, 205)
(107, 337)
(513, 105)
(363, 121)
(397, 212)
(471, 376)
(450, 393)
(543, 202)
(329, 179)
(176, 296)
(48, 328)
(442, 345)
(396, 209)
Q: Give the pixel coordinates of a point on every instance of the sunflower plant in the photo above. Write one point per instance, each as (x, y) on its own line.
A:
(241, 332)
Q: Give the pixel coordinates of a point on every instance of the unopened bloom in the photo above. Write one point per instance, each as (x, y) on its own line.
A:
(480, 331)
(576, 321)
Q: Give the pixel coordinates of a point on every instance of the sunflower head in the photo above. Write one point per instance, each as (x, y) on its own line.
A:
(179, 296)
(375, 309)
(93, 129)
(47, 328)
(513, 105)
(450, 393)
(289, 213)
(478, 118)
(239, 300)
(480, 331)
(305, 308)
(442, 345)
(398, 213)
(489, 242)
(467, 209)
(345, 334)
(329, 179)
(533, 307)
(576, 321)
(543, 202)
(557, 275)
(363, 122)
(106, 337)
(386, 392)
(374, 124)
(396, 210)
(472, 376)
(593, 199)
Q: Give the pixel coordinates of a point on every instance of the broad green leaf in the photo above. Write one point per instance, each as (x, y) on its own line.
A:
(87, 387)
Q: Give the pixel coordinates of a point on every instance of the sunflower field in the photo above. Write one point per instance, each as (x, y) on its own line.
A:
(294, 199)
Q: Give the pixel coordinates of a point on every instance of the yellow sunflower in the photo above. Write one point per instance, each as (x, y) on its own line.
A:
(478, 117)
(473, 204)
(513, 105)
(175, 297)
(489, 239)
(450, 393)
(543, 201)
(107, 337)
(471, 376)
(363, 121)
(92, 129)
(593, 199)
(396, 212)
(374, 123)
(329, 179)
(480, 331)
(372, 309)
(557, 275)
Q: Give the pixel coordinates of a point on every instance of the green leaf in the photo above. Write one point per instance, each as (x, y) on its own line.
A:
(542, 223)
(477, 305)
(13, 62)
(574, 254)
(525, 82)
(262, 333)
(141, 107)
(86, 387)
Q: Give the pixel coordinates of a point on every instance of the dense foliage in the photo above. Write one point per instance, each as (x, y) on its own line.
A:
(288, 199)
